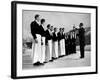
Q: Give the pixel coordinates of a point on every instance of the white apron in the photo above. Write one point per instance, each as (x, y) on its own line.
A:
(56, 49)
(47, 54)
(63, 42)
(36, 50)
(62, 47)
(43, 49)
(50, 49)
(53, 51)
(59, 49)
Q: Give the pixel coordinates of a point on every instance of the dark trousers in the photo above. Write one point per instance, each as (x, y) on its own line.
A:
(74, 48)
(82, 51)
(66, 48)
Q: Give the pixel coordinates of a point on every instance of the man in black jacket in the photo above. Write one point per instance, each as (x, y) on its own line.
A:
(49, 42)
(74, 40)
(43, 47)
(81, 39)
(55, 43)
(63, 42)
(66, 43)
(59, 41)
(69, 43)
(36, 45)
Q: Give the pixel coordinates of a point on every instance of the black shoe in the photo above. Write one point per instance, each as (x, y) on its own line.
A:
(54, 58)
(45, 62)
(41, 63)
(51, 60)
(64, 55)
(35, 64)
(60, 56)
(81, 57)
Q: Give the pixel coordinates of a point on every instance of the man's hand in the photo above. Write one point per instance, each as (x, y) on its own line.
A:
(36, 41)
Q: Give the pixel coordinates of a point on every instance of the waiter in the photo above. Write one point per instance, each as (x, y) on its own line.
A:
(49, 42)
(36, 45)
(43, 47)
(51, 31)
(74, 40)
(63, 42)
(59, 42)
(55, 43)
(70, 46)
(81, 39)
(69, 43)
(66, 44)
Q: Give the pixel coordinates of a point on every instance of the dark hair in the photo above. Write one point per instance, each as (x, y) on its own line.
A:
(48, 25)
(63, 28)
(60, 28)
(81, 24)
(36, 16)
(55, 28)
(42, 21)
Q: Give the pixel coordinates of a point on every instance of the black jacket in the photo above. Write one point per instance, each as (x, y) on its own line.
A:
(42, 31)
(59, 36)
(35, 29)
(55, 37)
(82, 36)
(63, 36)
(48, 36)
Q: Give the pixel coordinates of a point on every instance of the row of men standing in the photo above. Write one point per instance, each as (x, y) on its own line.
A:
(49, 45)
(70, 42)
(45, 45)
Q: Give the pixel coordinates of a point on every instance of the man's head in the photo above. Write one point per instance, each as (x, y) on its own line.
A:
(51, 28)
(37, 17)
(74, 27)
(62, 29)
(48, 26)
(42, 21)
(55, 29)
(81, 25)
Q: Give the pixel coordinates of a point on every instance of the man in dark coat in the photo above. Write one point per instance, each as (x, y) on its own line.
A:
(63, 42)
(36, 45)
(55, 43)
(69, 43)
(59, 39)
(81, 39)
(49, 42)
(43, 46)
(66, 44)
(74, 40)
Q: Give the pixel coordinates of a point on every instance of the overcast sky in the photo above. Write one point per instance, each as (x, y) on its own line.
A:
(57, 19)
